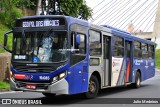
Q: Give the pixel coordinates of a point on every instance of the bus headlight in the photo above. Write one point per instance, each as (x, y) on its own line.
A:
(10, 74)
(59, 77)
(62, 75)
(55, 79)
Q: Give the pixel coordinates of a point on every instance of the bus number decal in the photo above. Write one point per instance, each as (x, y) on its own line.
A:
(44, 77)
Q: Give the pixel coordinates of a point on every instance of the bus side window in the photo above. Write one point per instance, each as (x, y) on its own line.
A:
(144, 50)
(151, 51)
(95, 43)
(118, 46)
(78, 51)
(137, 49)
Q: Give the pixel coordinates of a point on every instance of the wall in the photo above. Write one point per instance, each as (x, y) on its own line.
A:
(4, 70)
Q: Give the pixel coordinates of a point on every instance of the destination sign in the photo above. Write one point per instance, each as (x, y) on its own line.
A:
(40, 22)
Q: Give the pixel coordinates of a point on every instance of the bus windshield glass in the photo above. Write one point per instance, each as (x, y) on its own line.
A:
(40, 47)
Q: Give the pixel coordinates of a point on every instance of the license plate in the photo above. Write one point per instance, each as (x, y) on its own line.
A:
(31, 86)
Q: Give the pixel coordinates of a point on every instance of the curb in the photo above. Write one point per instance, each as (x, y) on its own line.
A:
(4, 90)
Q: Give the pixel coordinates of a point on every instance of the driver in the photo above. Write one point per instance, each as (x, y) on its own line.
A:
(55, 44)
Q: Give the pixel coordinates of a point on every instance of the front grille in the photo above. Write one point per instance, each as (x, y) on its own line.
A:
(34, 68)
(20, 84)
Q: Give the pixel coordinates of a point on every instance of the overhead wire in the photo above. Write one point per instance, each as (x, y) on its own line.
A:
(113, 19)
(130, 15)
(141, 13)
(98, 4)
(145, 18)
(108, 14)
(119, 12)
(126, 11)
(149, 21)
(150, 26)
(99, 15)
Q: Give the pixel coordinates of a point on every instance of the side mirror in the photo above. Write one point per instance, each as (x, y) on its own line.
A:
(6, 39)
(78, 39)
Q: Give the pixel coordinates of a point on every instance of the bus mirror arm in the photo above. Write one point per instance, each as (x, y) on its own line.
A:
(6, 39)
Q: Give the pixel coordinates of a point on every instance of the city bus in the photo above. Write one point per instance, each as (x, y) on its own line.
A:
(56, 54)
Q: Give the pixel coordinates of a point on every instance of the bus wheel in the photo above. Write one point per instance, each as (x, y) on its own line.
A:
(49, 94)
(137, 83)
(93, 87)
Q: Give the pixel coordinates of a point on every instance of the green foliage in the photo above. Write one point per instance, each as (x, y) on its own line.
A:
(85, 12)
(4, 85)
(158, 58)
(4, 29)
(25, 3)
(74, 8)
(9, 12)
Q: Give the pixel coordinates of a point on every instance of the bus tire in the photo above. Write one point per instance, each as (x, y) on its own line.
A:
(49, 95)
(137, 83)
(93, 87)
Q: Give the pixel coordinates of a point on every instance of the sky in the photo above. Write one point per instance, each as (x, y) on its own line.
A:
(120, 13)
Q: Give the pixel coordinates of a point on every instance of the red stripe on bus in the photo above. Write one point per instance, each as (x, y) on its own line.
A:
(128, 71)
(19, 76)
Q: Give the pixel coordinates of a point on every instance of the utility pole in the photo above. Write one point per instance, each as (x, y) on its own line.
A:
(156, 29)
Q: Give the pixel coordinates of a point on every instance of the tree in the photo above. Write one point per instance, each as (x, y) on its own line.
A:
(10, 10)
(74, 8)
(25, 3)
(9, 13)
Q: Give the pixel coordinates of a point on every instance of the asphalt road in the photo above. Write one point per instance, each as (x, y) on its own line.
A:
(150, 89)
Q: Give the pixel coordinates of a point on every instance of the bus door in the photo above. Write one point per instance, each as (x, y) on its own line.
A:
(106, 59)
(129, 60)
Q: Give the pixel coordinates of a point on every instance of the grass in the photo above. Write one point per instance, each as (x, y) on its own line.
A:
(158, 58)
(4, 85)
(4, 29)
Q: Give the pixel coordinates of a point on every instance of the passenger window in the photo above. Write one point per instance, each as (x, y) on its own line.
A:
(118, 46)
(137, 49)
(144, 50)
(95, 43)
(151, 51)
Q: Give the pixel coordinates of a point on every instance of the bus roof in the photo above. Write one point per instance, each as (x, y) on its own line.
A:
(127, 34)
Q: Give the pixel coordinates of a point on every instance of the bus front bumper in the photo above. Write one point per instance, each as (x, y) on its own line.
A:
(60, 87)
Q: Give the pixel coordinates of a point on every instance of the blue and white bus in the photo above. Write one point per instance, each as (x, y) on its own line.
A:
(57, 54)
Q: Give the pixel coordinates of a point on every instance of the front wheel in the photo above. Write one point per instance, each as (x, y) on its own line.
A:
(93, 87)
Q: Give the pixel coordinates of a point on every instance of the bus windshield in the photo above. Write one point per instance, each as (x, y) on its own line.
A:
(40, 46)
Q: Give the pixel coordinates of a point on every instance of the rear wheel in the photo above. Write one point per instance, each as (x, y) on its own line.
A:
(137, 83)
(49, 94)
(93, 87)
